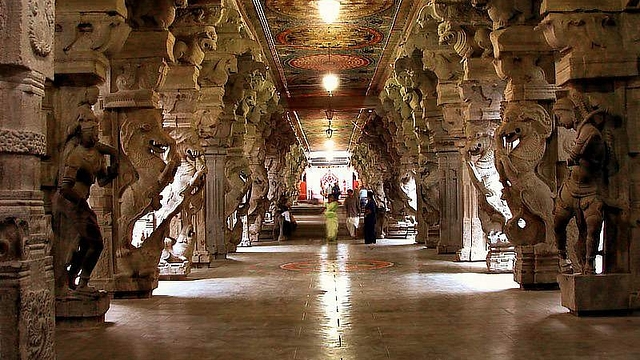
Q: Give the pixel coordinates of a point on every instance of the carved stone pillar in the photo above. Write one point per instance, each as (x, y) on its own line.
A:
(460, 227)
(221, 96)
(441, 43)
(180, 94)
(522, 58)
(428, 188)
(86, 37)
(214, 204)
(482, 91)
(138, 72)
(597, 72)
(215, 129)
(26, 271)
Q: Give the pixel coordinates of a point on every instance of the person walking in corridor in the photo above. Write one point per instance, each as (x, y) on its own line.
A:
(331, 215)
(352, 205)
(370, 219)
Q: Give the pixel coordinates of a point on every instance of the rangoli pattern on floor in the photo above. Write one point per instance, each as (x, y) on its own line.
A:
(336, 265)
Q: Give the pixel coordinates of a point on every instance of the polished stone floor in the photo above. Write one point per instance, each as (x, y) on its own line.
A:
(345, 301)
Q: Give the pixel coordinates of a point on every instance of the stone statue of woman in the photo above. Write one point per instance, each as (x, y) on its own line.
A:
(78, 238)
(579, 195)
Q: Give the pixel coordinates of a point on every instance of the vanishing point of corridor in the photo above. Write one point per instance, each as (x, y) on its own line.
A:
(303, 299)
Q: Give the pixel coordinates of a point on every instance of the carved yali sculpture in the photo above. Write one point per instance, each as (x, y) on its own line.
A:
(521, 141)
(78, 238)
(177, 253)
(189, 178)
(145, 175)
(493, 210)
(429, 192)
(580, 195)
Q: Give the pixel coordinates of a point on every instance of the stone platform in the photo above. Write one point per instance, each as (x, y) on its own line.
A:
(595, 294)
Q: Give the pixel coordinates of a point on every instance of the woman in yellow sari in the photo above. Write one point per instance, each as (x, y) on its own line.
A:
(331, 214)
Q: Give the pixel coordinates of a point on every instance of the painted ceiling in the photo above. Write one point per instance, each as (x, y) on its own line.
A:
(358, 48)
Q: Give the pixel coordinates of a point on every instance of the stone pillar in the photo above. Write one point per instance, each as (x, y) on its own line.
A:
(86, 37)
(522, 59)
(214, 204)
(461, 231)
(180, 94)
(597, 71)
(482, 91)
(221, 96)
(26, 271)
(215, 131)
(522, 158)
(138, 72)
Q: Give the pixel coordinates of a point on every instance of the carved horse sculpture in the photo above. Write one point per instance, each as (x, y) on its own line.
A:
(144, 176)
(521, 144)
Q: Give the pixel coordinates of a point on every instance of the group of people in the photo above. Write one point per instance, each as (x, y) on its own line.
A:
(286, 222)
(352, 208)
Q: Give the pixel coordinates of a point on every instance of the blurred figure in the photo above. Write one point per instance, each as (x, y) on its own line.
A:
(352, 206)
(370, 219)
(331, 215)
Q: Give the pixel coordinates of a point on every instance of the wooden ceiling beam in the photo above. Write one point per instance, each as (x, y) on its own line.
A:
(337, 102)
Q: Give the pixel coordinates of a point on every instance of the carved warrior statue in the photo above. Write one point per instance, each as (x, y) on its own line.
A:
(583, 192)
(521, 144)
(79, 241)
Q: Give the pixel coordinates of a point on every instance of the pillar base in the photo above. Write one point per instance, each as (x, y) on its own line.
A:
(596, 294)
(501, 260)
(175, 271)
(535, 269)
(80, 311)
(135, 288)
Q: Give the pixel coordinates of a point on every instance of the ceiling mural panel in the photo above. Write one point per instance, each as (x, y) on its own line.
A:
(329, 62)
(331, 37)
(304, 48)
(350, 9)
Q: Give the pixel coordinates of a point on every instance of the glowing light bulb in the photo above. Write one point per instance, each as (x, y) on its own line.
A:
(329, 10)
(330, 82)
(329, 144)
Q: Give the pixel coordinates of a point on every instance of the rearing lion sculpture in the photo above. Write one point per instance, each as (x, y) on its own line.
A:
(493, 210)
(143, 142)
(521, 144)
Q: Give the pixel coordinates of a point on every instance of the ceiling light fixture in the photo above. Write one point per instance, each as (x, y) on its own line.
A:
(329, 131)
(329, 114)
(330, 82)
(329, 10)
(329, 144)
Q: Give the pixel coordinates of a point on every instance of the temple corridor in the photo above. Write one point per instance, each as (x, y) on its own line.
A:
(344, 301)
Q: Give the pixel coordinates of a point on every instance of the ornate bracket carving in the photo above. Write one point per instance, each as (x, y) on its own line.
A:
(153, 14)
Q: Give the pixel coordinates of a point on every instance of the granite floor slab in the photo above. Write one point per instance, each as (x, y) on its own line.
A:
(342, 303)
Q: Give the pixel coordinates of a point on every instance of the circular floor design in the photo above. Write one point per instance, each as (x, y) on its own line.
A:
(336, 265)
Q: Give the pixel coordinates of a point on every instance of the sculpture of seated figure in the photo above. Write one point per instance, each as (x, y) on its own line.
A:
(579, 195)
(82, 164)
